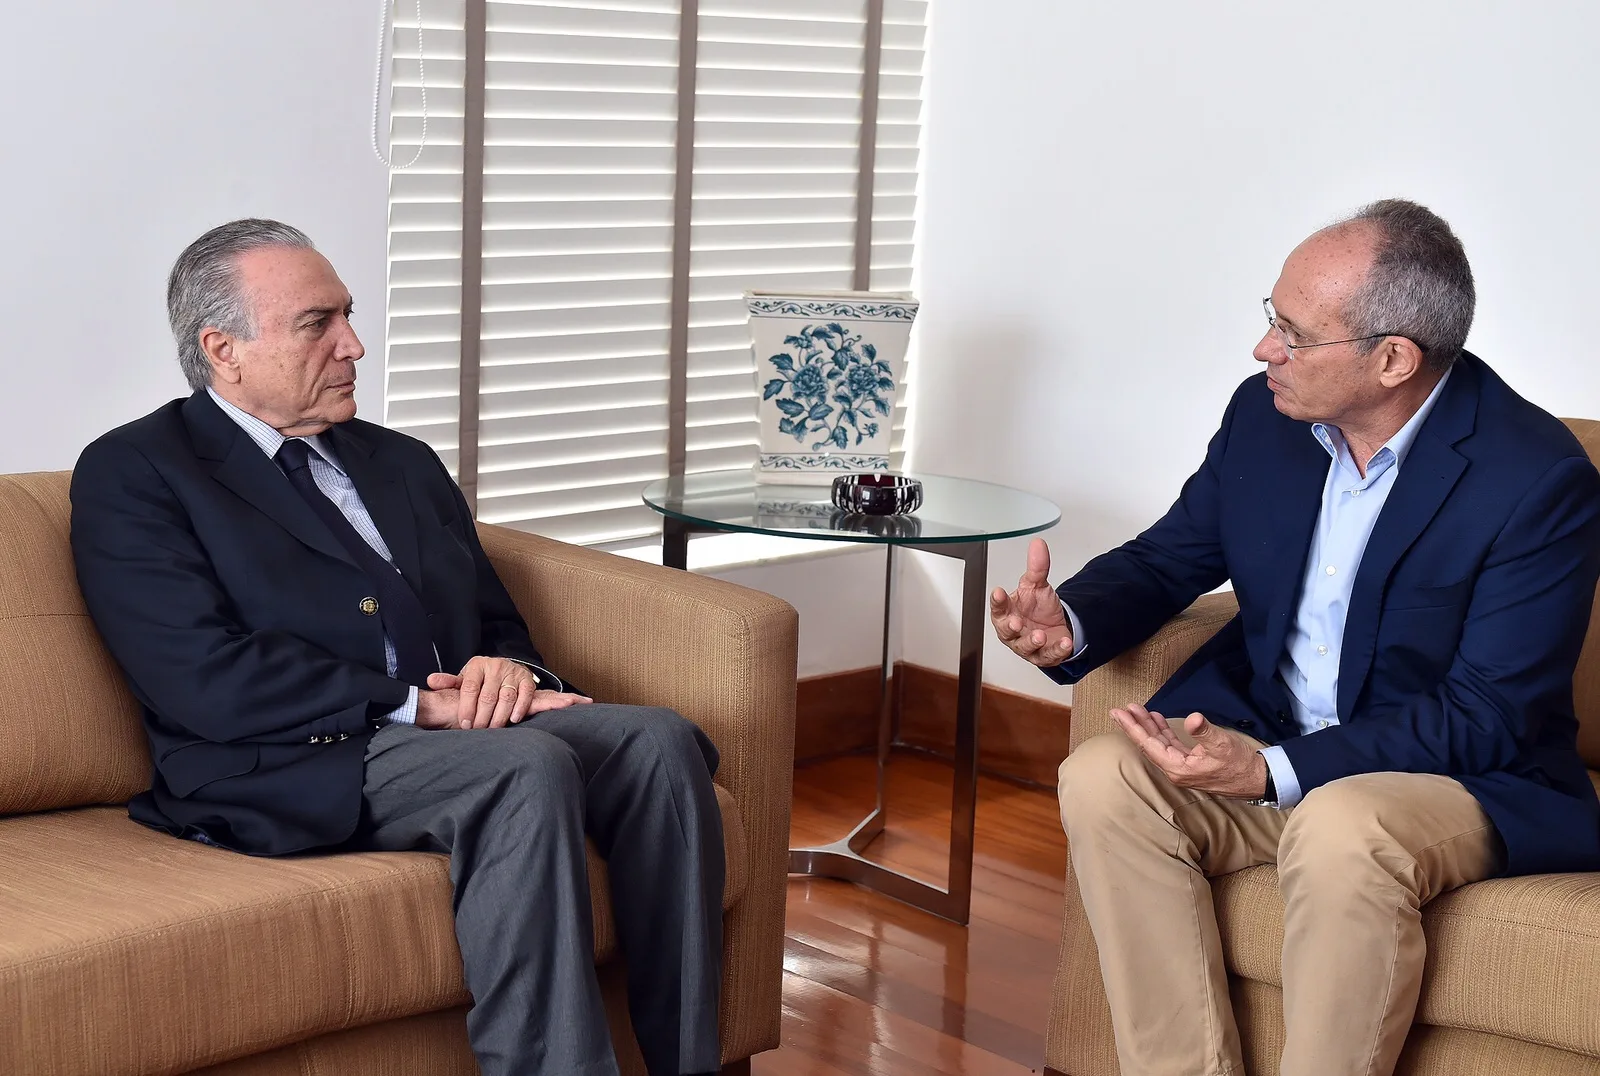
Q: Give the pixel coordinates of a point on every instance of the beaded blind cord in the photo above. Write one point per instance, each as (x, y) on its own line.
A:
(377, 89)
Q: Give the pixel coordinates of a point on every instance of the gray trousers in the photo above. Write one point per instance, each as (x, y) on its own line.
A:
(511, 807)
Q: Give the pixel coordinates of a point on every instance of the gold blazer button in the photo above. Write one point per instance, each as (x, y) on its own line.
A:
(369, 606)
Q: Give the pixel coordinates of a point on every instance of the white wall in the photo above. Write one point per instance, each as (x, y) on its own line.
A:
(1111, 188)
(130, 129)
(840, 602)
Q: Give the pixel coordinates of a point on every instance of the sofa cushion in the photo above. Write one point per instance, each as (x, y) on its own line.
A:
(125, 951)
(71, 728)
(1518, 957)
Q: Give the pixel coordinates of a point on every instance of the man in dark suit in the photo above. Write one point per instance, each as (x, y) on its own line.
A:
(326, 659)
(1414, 549)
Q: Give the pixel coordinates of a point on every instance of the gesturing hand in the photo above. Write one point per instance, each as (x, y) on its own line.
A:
(487, 693)
(1221, 761)
(1030, 620)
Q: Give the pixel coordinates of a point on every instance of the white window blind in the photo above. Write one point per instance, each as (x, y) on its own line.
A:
(580, 138)
(424, 340)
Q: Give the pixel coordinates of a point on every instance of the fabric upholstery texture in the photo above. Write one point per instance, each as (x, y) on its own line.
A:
(1430, 1051)
(431, 1044)
(118, 915)
(71, 728)
(1136, 674)
(1513, 963)
(125, 951)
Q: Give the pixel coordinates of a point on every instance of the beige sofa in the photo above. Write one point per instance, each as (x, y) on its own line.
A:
(1513, 978)
(124, 951)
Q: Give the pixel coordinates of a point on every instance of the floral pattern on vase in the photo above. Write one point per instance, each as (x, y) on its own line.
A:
(832, 385)
(827, 367)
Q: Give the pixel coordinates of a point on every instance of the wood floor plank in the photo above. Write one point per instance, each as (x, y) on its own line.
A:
(981, 947)
(971, 983)
(938, 1007)
(873, 987)
(858, 1037)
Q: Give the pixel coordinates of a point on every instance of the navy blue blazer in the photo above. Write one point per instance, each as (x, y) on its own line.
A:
(236, 616)
(1467, 616)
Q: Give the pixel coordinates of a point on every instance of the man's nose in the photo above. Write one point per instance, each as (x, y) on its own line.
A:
(1270, 349)
(350, 344)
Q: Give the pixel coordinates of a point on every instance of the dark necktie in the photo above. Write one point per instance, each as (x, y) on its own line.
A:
(405, 620)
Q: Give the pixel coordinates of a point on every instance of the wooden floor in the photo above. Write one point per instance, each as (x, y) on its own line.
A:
(872, 986)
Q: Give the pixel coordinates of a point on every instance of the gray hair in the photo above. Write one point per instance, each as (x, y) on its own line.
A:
(1419, 286)
(203, 288)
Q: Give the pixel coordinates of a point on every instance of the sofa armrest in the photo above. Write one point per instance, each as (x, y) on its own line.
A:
(1079, 1037)
(722, 655)
(1136, 675)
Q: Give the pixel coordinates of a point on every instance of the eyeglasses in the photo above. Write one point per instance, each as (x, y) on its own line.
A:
(1283, 335)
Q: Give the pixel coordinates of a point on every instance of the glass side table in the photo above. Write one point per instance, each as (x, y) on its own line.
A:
(958, 518)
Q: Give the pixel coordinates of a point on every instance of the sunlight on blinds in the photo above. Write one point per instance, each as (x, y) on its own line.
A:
(580, 136)
(578, 162)
(424, 338)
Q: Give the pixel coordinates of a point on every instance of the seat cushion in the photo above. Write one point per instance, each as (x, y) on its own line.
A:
(125, 951)
(1518, 957)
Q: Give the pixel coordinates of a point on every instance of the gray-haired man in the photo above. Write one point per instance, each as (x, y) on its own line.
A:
(326, 659)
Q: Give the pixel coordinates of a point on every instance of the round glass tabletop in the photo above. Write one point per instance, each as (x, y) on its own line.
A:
(953, 510)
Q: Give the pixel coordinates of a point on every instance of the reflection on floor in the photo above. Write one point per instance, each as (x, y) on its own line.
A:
(873, 987)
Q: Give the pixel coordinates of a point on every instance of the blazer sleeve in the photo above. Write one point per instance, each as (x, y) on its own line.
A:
(151, 591)
(1524, 628)
(1124, 597)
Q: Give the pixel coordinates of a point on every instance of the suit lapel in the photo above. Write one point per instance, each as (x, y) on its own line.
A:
(382, 488)
(240, 465)
(1293, 503)
(1430, 471)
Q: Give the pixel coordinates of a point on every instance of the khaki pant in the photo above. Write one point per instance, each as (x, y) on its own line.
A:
(1356, 860)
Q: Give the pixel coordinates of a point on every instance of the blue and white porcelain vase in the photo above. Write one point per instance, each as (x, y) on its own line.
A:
(828, 365)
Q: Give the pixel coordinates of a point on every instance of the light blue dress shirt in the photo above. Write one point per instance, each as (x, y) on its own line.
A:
(1351, 504)
(1350, 507)
(338, 488)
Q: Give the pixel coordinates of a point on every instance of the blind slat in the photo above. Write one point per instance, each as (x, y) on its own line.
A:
(532, 376)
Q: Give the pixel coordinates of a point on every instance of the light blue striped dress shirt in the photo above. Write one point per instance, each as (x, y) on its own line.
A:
(1351, 504)
(337, 487)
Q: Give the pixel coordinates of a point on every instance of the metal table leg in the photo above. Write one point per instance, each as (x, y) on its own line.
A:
(675, 543)
(842, 858)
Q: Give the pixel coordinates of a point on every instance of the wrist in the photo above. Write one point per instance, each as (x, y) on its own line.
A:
(1269, 792)
(433, 710)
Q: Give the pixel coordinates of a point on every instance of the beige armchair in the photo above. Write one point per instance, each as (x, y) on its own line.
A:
(1513, 977)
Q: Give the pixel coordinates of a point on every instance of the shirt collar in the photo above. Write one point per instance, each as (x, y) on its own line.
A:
(1398, 446)
(268, 439)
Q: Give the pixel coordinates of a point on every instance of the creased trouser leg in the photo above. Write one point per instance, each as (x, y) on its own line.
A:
(507, 806)
(1142, 849)
(1357, 861)
(653, 814)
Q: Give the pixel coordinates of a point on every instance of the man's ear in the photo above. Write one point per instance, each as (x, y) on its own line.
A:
(1400, 360)
(219, 349)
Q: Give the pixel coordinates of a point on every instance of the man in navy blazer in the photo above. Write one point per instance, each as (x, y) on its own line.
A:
(1414, 549)
(326, 659)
